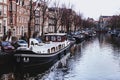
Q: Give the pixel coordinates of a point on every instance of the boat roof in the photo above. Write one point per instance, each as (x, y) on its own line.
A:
(61, 34)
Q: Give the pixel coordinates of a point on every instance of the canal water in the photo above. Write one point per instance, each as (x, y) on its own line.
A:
(94, 59)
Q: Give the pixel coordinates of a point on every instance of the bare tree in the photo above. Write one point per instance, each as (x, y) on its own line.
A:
(70, 17)
(44, 7)
(84, 23)
(57, 15)
(29, 23)
(114, 22)
(63, 20)
(67, 18)
(77, 21)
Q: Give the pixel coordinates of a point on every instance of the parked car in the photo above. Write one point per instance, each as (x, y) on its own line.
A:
(20, 44)
(6, 46)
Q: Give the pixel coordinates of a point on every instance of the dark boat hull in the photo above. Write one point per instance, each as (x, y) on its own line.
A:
(30, 60)
(6, 58)
(79, 40)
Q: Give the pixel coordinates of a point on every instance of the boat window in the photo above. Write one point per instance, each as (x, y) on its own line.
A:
(63, 45)
(65, 38)
(59, 46)
(48, 50)
(58, 38)
(53, 49)
(32, 43)
(36, 43)
(53, 38)
(47, 39)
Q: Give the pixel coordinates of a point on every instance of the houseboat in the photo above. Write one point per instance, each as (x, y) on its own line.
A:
(45, 54)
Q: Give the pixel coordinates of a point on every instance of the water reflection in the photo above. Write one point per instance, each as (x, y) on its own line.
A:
(97, 60)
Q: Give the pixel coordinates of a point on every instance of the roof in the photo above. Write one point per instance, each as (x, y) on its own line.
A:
(61, 34)
(105, 16)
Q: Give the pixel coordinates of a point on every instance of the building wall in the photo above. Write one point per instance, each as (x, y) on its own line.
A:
(16, 15)
(11, 16)
(3, 17)
(103, 21)
(37, 17)
(22, 18)
(37, 21)
(51, 20)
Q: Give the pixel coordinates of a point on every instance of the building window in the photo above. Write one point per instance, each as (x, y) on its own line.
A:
(10, 19)
(58, 38)
(10, 6)
(0, 13)
(5, 10)
(14, 7)
(17, 30)
(17, 1)
(0, 27)
(53, 38)
(37, 13)
(5, 1)
(22, 31)
(14, 32)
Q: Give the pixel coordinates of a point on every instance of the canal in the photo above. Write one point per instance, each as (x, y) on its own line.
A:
(95, 59)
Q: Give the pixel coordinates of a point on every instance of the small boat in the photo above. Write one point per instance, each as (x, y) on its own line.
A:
(79, 38)
(45, 54)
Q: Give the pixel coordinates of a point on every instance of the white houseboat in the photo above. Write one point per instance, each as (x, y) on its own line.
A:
(45, 54)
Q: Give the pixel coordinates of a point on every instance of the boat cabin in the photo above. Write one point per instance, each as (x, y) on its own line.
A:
(55, 37)
(55, 42)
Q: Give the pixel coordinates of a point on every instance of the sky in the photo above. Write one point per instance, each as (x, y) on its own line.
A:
(94, 8)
